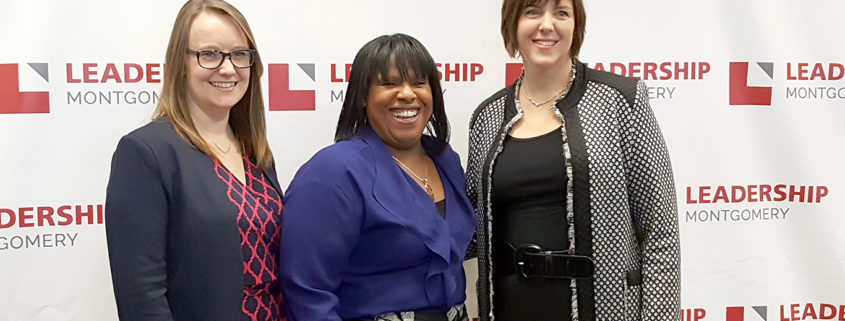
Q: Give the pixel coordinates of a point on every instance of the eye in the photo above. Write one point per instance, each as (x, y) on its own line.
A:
(209, 54)
(240, 53)
(531, 12)
(563, 13)
(419, 83)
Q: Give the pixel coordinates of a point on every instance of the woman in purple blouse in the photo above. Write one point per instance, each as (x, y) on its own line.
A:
(377, 224)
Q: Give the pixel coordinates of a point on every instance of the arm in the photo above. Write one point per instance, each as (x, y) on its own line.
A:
(474, 160)
(322, 222)
(136, 230)
(651, 192)
(485, 121)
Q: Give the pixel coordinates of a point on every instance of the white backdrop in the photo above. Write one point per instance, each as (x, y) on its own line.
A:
(755, 244)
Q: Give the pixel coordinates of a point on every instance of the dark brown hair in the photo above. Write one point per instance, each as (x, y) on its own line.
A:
(512, 10)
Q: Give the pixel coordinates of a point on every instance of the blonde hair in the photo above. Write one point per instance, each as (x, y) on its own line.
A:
(247, 116)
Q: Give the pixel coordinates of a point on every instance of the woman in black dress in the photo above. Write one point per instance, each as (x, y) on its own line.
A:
(572, 184)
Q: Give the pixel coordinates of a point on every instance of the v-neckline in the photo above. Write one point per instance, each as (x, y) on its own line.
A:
(245, 163)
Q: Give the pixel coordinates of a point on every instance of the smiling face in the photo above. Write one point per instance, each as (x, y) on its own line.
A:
(215, 90)
(544, 33)
(398, 110)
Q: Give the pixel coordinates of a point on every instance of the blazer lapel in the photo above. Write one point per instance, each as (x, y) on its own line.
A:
(270, 173)
(403, 199)
(457, 206)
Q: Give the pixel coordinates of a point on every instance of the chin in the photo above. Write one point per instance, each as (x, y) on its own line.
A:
(226, 104)
(549, 60)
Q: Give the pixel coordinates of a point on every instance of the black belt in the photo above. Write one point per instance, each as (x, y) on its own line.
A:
(531, 261)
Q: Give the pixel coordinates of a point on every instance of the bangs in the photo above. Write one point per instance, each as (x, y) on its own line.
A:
(536, 3)
(373, 63)
(407, 56)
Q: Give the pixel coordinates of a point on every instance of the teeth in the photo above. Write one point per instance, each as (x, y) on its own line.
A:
(223, 84)
(406, 113)
(546, 42)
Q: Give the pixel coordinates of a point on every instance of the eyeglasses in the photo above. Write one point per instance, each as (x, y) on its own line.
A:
(212, 59)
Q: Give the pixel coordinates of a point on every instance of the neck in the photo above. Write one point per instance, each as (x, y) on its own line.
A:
(210, 123)
(545, 81)
(412, 153)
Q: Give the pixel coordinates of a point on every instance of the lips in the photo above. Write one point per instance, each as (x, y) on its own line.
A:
(405, 114)
(223, 84)
(545, 43)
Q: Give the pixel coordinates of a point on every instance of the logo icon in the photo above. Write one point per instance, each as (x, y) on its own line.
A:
(512, 72)
(741, 93)
(738, 314)
(13, 101)
(281, 96)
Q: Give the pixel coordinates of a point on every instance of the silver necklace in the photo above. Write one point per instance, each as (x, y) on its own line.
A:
(561, 93)
(426, 186)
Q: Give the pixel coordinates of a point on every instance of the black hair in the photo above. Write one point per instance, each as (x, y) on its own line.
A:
(372, 63)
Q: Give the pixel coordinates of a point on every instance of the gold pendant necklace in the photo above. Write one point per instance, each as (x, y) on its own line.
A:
(426, 187)
(226, 151)
(561, 93)
(536, 104)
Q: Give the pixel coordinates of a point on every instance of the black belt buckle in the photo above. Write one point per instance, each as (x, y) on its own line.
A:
(530, 261)
(519, 259)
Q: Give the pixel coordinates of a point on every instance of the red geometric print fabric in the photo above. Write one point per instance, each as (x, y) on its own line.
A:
(260, 221)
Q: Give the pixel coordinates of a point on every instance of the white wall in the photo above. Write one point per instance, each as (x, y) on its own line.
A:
(60, 158)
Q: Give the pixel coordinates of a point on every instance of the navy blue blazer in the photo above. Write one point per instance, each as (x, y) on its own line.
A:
(361, 238)
(173, 239)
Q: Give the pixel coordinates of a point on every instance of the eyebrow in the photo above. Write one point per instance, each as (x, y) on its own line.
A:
(208, 46)
(559, 6)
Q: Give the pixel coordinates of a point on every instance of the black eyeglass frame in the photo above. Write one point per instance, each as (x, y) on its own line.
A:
(223, 56)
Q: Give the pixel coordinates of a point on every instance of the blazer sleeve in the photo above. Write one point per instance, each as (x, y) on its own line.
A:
(323, 215)
(475, 159)
(651, 192)
(136, 231)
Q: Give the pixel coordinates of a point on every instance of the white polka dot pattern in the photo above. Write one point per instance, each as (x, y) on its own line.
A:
(632, 199)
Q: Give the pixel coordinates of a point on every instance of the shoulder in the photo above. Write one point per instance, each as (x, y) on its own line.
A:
(143, 150)
(156, 142)
(626, 86)
(495, 102)
(155, 134)
(336, 160)
(447, 155)
(501, 94)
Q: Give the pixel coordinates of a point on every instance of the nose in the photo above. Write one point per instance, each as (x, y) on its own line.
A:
(546, 23)
(406, 92)
(227, 67)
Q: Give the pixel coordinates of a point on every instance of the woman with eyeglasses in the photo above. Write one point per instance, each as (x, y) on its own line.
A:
(193, 207)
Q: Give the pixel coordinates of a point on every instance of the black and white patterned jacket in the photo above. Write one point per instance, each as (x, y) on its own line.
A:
(621, 197)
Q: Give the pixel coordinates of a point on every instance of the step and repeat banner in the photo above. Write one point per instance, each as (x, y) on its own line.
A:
(750, 96)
